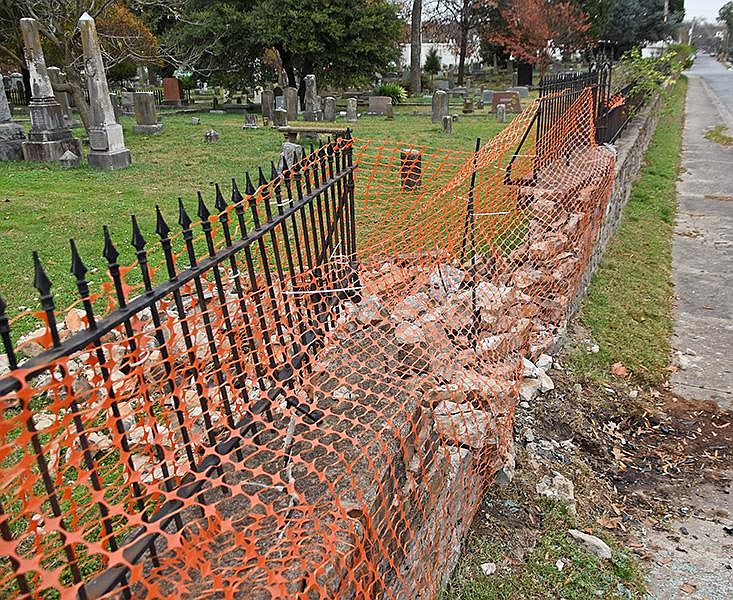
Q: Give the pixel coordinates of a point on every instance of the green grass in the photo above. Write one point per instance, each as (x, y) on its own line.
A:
(583, 575)
(42, 206)
(717, 135)
(628, 307)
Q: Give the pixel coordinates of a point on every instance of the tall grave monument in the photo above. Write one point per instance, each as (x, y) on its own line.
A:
(312, 100)
(49, 137)
(106, 140)
(12, 134)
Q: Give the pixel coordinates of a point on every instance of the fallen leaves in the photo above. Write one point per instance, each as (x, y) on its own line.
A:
(619, 370)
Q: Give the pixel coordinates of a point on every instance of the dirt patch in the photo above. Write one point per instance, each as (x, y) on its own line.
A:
(633, 456)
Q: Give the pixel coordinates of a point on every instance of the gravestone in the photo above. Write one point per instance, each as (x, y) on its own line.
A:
(212, 135)
(524, 74)
(49, 136)
(389, 112)
(280, 102)
(378, 104)
(467, 105)
(12, 134)
(146, 117)
(480, 103)
(441, 84)
(280, 118)
(69, 160)
(523, 91)
(127, 102)
(440, 106)
(510, 100)
(250, 121)
(501, 113)
(447, 124)
(291, 153)
(487, 96)
(312, 101)
(57, 78)
(106, 140)
(351, 114)
(268, 101)
(172, 92)
(329, 109)
(459, 92)
(116, 106)
(410, 169)
(291, 103)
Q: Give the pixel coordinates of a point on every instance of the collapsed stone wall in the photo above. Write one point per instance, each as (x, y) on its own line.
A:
(415, 385)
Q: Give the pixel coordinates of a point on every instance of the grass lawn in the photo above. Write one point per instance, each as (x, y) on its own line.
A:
(628, 307)
(583, 576)
(42, 206)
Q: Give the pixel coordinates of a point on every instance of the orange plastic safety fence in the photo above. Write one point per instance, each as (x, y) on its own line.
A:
(158, 462)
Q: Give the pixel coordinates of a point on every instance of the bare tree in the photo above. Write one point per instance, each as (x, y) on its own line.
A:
(465, 17)
(415, 46)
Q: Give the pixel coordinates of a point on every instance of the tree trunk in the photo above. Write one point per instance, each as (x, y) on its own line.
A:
(307, 70)
(287, 62)
(415, 47)
(73, 81)
(463, 52)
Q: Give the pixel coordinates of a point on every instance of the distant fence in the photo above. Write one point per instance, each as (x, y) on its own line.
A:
(270, 403)
(16, 96)
(612, 110)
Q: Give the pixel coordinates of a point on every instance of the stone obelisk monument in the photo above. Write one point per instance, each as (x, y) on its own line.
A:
(12, 134)
(49, 137)
(106, 141)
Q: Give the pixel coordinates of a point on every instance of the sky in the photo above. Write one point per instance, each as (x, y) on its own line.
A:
(707, 9)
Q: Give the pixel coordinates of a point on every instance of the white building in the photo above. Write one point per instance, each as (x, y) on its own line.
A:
(448, 53)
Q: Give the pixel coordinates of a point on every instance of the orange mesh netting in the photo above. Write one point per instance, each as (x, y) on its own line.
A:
(307, 396)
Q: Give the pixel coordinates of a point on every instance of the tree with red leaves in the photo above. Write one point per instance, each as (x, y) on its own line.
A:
(533, 28)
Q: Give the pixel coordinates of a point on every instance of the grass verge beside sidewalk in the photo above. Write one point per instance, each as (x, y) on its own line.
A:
(628, 307)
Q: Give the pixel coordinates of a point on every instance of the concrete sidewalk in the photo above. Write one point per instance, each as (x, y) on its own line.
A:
(693, 559)
(702, 252)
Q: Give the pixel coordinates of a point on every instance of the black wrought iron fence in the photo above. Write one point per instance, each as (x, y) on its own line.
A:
(263, 281)
(548, 130)
(16, 96)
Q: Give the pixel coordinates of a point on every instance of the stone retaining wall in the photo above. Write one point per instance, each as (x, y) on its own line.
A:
(631, 147)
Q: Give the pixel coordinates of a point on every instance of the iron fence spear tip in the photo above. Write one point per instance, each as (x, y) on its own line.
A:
(203, 212)
(161, 227)
(219, 203)
(138, 241)
(78, 268)
(40, 280)
(263, 180)
(236, 194)
(183, 219)
(273, 171)
(109, 252)
(249, 188)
